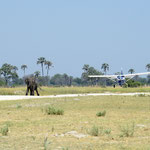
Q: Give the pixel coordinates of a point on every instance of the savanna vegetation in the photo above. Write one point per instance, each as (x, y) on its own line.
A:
(9, 76)
(44, 90)
(89, 123)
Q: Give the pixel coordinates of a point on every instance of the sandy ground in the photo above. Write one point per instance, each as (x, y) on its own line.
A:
(20, 97)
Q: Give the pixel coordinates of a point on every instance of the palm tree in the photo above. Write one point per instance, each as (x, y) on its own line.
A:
(37, 74)
(105, 67)
(24, 67)
(41, 61)
(131, 71)
(48, 65)
(86, 67)
(148, 67)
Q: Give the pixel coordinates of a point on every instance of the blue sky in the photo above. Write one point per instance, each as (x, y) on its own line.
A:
(71, 33)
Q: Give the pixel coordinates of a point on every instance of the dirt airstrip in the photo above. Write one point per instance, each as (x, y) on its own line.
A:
(20, 97)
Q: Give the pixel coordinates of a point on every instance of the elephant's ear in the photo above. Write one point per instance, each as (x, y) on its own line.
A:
(27, 81)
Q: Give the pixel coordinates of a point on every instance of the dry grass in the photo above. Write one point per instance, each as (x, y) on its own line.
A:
(71, 90)
(29, 126)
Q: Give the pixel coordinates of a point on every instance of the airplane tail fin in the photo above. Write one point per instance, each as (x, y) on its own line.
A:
(121, 71)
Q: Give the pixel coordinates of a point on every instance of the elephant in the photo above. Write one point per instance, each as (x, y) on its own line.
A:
(31, 85)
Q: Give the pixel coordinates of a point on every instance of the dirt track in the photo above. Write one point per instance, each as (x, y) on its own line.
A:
(20, 97)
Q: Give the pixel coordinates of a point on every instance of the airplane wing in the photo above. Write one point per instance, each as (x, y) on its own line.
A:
(103, 76)
(115, 76)
(135, 74)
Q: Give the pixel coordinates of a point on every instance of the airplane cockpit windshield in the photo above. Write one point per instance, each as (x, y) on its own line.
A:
(121, 77)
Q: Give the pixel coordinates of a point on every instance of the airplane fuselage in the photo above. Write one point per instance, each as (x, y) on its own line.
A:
(121, 79)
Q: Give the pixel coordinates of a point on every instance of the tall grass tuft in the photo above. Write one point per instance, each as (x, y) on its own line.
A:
(54, 111)
(107, 131)
(127, 131)
(46, 143)
(94, 131)
(4, 130)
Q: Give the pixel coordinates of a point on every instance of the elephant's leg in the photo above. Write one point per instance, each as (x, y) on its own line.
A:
(30, 91)
(27, 90)
(33, 92)
(37, 92)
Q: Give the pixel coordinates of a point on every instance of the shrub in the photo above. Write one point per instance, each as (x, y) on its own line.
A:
(107, 131)
(53, 111)
(141, 95)
(101, 114)
(94, 131)
(97, 131)
(127, 131)
(4, 130)
(132, 83)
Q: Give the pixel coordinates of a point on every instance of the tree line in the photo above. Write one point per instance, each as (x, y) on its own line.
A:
(10, 77)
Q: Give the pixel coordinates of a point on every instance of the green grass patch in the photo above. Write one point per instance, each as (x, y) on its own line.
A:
(46, 144)
(107, 131)
(94, 131)
(101, 114)
(53, 111)
(27, 126)
(4, 130)
(72, 90)
(127, 131)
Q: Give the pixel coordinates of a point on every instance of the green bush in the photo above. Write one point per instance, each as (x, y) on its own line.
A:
(54, 111)
(127, 131)
(2, 82)
(132, 83)
(141, 95)
(98, 131)
(101, 114)
(4, 130)
(107, 131)
(94, 131)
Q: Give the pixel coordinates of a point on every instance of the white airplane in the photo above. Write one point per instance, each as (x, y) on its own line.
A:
(120, 79)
